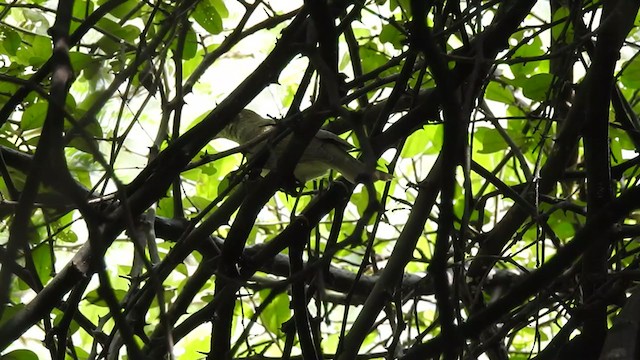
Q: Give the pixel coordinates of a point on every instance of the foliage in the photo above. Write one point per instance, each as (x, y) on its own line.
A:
(509, 229)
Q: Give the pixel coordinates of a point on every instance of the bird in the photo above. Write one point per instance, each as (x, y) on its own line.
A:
(326, 150)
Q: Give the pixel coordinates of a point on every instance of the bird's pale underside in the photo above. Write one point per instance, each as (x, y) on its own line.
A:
(325, 151)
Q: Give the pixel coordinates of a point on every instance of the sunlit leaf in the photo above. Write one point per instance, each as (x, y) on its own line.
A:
(631, 75)
(207, 16)
(531, 50)
(122, 10)
(190, 45)
(497, 92)
(537, 87)
(10, 40)
(94, 297)
(417, 143)
(276, 313)
(33, 116)
(43, 262)
(36, 52)
(490, 139)
(392, 35)
(564, 29)
(21, 354)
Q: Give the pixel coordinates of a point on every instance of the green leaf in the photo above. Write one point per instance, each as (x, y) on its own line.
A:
(499, 93)
(207, 16)
(436, 141)
(21, 354)
(192, 174)
(10, 40)
(93, 297)
(563, 30)
(490, 139)
(537, 86)
(67, 236)
(220, 7)
(360, 200)
(416, 144)
(43, 262)
(89, 133)
(89, 100)
(79, 61)
(405, 5)
(529, 50)
(127, 32)
(630, 76)
(199, 202)
(165, 207)
(81, 353)
(10, 311)
(371, 337)
(37, 19)
(91, 69)
(33, 116)
(371, 57)
(168, 294)
(276, 313)
(208, 169)
(224, 184)
(515, 112)
(42, 49)
(207, 186)
(7, 88)
(124, 9)
(190, 45)
(622, 138)
(59, 315)
(37, 53)
(190, 65)
(390, 34)
(81, 9)
(195, 348)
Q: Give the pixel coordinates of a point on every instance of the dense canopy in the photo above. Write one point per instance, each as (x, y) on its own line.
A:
(506, 228)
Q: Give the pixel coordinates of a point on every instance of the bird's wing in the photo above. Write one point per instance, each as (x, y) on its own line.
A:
(328, 136)
(333, 155)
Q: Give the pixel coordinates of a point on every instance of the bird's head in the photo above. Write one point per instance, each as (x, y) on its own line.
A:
(245, 126)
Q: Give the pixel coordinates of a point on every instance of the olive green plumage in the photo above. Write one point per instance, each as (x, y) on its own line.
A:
(325, 151)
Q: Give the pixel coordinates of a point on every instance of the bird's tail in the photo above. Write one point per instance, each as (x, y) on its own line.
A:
(381, 176)
(356, 172)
